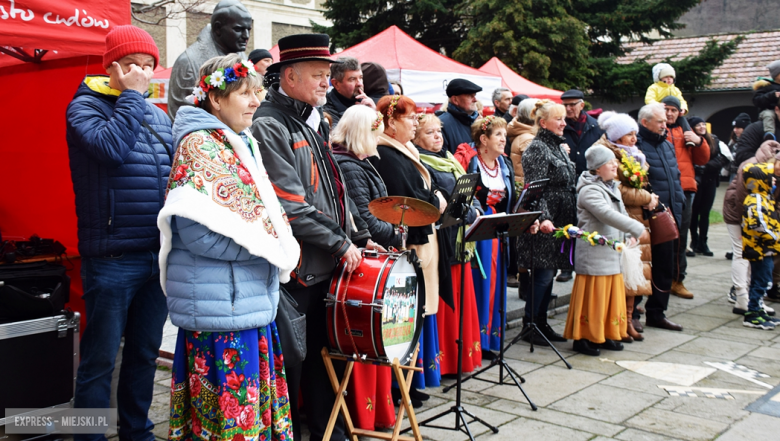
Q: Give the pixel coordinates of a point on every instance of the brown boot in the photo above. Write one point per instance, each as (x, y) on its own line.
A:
(629, 313)
(681, 291)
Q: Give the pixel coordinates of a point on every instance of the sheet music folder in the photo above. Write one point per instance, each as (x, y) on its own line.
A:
(462, 193)
(485, 227)
(531, 193)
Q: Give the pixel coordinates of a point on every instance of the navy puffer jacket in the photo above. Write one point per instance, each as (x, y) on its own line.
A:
(663, 174)
(118, 167)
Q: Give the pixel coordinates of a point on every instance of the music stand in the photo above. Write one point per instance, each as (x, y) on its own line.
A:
(501, 226)
(457, 210)
(531, 194)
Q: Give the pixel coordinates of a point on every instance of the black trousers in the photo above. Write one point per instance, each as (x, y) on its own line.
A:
(318, 396)
(663, 275)
(700, 218)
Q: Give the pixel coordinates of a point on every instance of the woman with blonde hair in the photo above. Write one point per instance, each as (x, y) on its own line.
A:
(353, 141)
(445, 171)
(547, 157)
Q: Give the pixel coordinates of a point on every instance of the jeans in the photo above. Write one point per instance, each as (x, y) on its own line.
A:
(761, 275)
(682, 261)
(122, 296)
(740, 268)
(543, 284)
(700, 218)
(663, 273)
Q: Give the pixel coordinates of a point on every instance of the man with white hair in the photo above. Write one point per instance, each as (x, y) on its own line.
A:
(293, 141)
(664, 176)
(502, 99)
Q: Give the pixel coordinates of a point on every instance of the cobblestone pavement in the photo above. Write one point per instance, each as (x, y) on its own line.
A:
(600, 400)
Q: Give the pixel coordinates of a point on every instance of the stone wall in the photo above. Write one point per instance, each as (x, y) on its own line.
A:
(724, 16)
(156, 31)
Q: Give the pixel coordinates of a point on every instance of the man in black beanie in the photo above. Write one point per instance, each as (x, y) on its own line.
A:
(262, 58)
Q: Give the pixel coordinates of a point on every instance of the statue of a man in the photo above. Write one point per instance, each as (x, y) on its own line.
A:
(228, 33)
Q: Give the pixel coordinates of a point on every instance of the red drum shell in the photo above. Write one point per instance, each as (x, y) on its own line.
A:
(366, 286)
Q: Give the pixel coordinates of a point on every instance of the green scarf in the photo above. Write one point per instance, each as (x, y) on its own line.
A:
(450, 165)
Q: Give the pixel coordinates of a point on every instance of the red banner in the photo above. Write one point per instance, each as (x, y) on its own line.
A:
(76, 26)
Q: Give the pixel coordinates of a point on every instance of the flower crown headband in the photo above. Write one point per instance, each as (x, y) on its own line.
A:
(393, 103)
(219, 79)
(377, 122)
(486, 122)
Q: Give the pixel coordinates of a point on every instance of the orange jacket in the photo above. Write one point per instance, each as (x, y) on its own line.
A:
(687, 157)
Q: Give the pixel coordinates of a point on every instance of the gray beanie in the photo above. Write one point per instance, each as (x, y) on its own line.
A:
(774, 69)
(598, 155)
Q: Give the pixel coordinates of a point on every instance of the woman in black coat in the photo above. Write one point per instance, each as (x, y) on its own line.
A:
(708, 178)
(545, 158)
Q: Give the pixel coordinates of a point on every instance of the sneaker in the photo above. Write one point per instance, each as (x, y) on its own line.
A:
(754, 319)
(732, 296)
(767, 310)
(729, 255)
(772, 295)
(690, 253)
(512, 282)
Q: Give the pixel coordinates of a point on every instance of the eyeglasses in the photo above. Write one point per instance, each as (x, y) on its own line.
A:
(572, 104)
(412, 117)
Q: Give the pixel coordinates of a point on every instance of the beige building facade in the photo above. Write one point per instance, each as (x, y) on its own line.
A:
(273, 19)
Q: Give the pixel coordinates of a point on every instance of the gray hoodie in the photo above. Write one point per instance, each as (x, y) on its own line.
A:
(600, 208)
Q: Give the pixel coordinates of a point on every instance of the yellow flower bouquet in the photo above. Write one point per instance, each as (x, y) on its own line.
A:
(632, 171)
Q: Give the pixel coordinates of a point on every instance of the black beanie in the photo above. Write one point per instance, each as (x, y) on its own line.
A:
(694, 120)
(741, 121)
(259, 54)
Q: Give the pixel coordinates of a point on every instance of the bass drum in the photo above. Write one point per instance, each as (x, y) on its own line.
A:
(376, 312)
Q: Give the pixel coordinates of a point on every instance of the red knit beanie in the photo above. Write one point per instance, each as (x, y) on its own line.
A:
(126, 40)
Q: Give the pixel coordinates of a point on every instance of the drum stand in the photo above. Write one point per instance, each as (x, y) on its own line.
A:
(340, 406)
(458, 408)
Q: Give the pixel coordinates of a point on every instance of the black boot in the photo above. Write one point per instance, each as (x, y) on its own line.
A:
(585, 347)
(547, 330)
(537, 338)
(703, 249)
(524, 280)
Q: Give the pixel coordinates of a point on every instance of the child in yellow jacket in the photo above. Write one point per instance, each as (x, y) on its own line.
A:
(664, 76)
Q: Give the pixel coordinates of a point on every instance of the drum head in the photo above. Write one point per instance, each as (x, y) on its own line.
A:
(403, 301)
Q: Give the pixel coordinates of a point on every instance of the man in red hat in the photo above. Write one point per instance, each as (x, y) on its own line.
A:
(120, 159)
(293, 140)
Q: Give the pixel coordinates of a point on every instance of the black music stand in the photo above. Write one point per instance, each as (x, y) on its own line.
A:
(531, 194)
(501, 226)
(457, 210)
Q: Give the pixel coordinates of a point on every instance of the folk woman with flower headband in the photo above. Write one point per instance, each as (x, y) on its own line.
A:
(398, 163)
(226, 246)
(495, 192)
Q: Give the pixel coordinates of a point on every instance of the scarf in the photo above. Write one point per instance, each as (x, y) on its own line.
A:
(577, 124)
(450, 165)
(220, 182)
(634, 152)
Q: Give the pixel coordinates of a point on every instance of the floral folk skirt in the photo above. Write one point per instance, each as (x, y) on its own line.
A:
(449, 319)
(229, 386)
(597, 309)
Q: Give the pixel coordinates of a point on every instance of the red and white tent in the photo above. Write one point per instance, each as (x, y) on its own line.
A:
(516, 83)
(46, 49)
(423, 73)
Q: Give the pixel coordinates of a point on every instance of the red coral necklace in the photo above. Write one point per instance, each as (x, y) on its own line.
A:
(488, 169)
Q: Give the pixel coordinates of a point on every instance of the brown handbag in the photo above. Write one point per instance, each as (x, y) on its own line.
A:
(663, 228)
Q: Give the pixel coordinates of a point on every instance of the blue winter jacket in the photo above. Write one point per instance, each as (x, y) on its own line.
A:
(118, 167)
(214, 284)
(663, 174)
(456, 127)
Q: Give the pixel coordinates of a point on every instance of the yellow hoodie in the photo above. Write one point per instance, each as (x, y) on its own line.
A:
(660, 90)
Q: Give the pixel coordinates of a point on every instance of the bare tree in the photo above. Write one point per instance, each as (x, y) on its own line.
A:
(156, 13)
